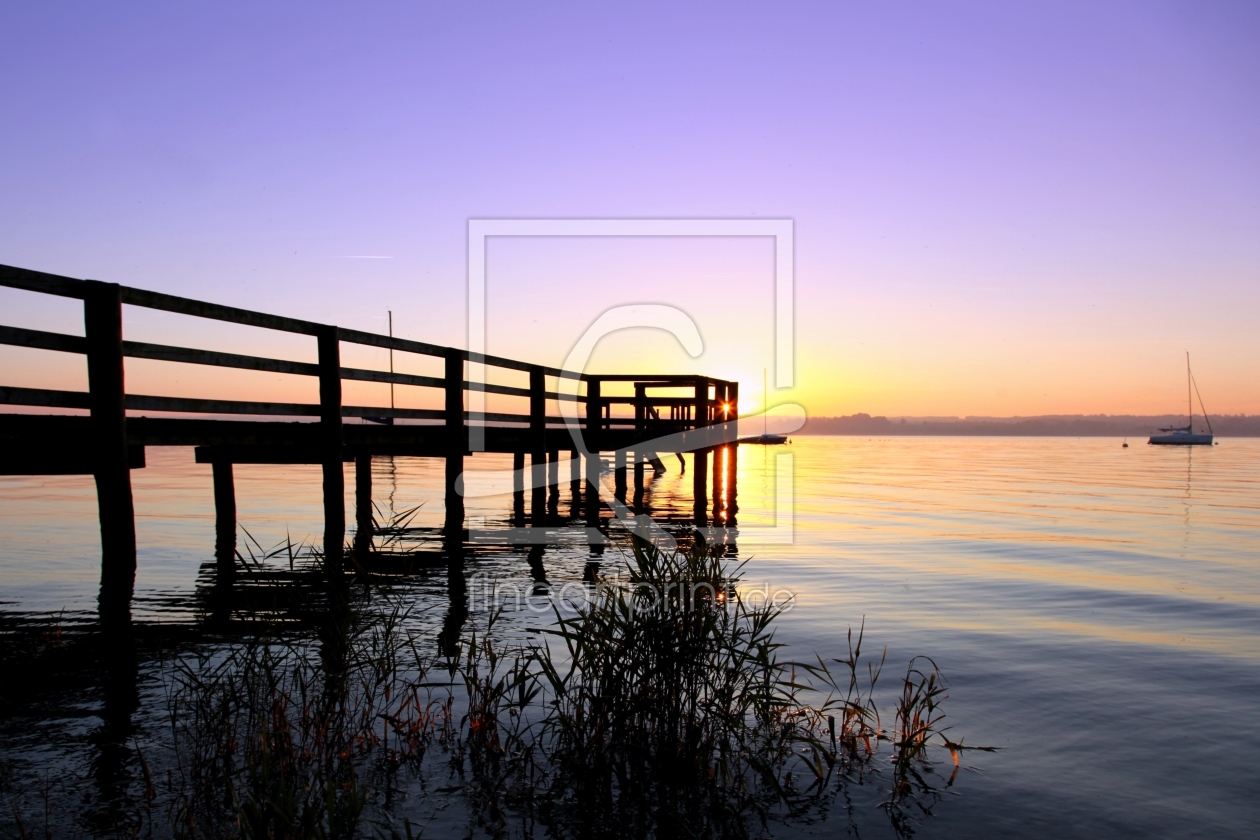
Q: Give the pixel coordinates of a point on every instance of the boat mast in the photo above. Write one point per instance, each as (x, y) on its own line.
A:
(1189, 402)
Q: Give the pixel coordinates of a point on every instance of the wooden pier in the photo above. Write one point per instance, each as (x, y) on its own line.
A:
(637, 418)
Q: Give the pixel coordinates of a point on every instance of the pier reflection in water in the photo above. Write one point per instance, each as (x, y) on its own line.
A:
(266, 578)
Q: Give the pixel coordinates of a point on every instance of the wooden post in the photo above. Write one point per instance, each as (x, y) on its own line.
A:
(456, 441)
(538, 445)
(102, 321)
(718, 484)
(593, 465)
(553, 473)
(594, 425)
(619, 474)
(699, 490)
(732, 470)
(700, 469)
(518, 488)
(224, 520)
(331, 445)
(575, 483)
(362, 505)
(638, 457)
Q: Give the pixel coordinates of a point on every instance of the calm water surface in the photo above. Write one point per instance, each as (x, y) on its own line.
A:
(1096, 609)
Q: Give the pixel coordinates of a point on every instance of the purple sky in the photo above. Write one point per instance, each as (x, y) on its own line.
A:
(1000, 208)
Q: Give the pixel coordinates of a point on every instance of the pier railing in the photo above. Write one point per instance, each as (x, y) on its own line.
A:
(660, 405)
(102, 307)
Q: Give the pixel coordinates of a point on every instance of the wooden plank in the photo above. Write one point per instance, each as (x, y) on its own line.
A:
(217, 311)
(187, 405)
(263, 454)
(141, 402)
(496, 361)
(652, 401)
(655, 380)
(189, 431)
(186, 355)
(61, 458)
(50, 431)
(400, 413)
(363, 375)
(393, 343)
(39, 281)
(422, 348)
(40, 340)
(44, 397)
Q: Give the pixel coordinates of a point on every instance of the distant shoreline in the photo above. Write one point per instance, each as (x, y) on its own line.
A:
(1134, 426)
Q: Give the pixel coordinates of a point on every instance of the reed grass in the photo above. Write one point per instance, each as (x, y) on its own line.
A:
(661, 707)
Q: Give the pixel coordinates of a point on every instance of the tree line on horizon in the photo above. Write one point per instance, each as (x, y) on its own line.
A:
(1078, 425)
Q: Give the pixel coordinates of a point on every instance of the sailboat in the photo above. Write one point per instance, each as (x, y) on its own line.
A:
(765, 438)
(1185, 435)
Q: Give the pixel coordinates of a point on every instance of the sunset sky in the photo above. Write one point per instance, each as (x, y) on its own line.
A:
(1000, 208)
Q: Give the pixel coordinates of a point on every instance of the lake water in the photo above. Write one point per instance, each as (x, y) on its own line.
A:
(1096, 609)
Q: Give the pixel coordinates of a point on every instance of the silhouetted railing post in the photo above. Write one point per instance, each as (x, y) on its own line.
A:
(331, 444)
(102, 321)
(538, 444)
(702, 403)
(594, 414)
(224, 520)
(456, 442)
